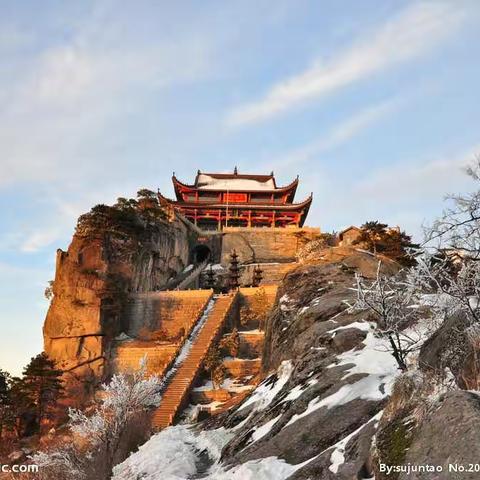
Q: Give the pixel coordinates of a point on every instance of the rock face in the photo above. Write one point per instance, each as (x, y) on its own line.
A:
(448, 438)
(322, 287)
(333, 404)
(450, 347)
(320, 398)
(92, 282)
(444, 437)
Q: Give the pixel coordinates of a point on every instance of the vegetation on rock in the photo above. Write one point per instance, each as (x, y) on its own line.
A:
(125, 216)
(213, 364)
(255, 309)
(231, 343)
(393, 243)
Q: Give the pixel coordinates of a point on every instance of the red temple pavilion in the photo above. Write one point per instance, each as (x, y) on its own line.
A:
(217, 200)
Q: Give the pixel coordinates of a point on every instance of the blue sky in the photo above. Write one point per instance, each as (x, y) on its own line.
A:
(373, 103)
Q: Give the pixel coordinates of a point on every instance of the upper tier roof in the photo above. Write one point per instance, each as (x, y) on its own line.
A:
(234, 182)
(226, 181)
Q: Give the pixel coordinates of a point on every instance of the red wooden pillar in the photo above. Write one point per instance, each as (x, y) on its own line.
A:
(299, 217)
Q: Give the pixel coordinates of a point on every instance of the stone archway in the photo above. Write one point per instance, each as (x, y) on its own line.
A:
(201, 253)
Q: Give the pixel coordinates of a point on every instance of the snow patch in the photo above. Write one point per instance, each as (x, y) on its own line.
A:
(373, 360)
(269, 468)
(338, 458)
(260, 432)
(363, 326)
(172, 454)
(209, 182)
(268, 389)
(367, 388)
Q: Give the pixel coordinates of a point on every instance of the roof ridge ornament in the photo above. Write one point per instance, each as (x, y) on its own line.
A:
(235, 170)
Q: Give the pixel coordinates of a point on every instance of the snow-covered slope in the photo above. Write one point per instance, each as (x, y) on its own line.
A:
(314, 416)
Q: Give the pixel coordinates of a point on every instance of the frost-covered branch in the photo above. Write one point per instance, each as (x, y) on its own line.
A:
(454, 285)
(458, 228)
(395, 307)
(97, 437)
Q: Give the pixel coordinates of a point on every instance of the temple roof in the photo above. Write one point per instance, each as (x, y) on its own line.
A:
(216, 181)
(234, 182)
(260, 206)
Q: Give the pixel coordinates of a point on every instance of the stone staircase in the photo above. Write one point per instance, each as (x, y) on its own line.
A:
(178, 389)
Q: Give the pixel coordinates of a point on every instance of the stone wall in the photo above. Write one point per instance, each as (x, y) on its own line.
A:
(251, 344)
(170, 312)
(272, 273)
(265, 244)
(157, 357)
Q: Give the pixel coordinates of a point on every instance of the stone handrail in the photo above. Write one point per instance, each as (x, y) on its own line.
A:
(192, 276)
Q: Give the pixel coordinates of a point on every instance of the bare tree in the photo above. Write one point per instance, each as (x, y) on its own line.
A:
(454, 285)
(97, 437)
(395, 307)
(449, 267)
(447, 274)
(458, 228)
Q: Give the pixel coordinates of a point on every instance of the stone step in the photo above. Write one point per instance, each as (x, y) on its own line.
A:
(184, 376)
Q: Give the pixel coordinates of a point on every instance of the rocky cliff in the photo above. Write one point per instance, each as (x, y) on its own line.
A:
(318, 412)
(102, 266)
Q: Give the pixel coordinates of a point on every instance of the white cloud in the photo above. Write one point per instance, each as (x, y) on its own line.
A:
(420, 181)
(413, 33)
(68, 98)
(338, 135)
(408, 193)
(39, 239)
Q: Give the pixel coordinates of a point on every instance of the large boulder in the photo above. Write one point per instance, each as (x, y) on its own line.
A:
(311, 300)
(450, 348)
(448, 439)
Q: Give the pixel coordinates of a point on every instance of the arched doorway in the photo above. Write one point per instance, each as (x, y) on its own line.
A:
(200, 254)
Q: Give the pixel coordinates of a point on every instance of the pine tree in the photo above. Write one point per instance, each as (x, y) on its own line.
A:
(371, 233)
(393, 243)
(231, 343)
(42, 386)
(7, 418)
(20, 409)
(396, 245)
(213, 364)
